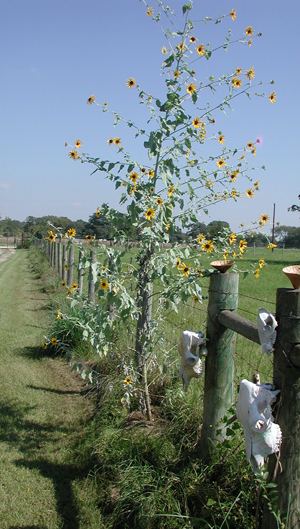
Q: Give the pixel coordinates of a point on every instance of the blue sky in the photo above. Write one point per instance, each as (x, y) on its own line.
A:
(56, 53)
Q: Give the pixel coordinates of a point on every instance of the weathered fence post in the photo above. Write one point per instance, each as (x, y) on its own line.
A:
(64, 263)
(59, 258)
(70, 265)
(219, 365)
(80, 272)
(287, 378)
(52, 253)
(91, 283)
(55, 255)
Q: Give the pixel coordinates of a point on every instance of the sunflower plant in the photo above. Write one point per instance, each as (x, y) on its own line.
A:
(185, 164)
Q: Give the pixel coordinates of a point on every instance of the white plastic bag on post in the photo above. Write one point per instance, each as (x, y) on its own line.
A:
(266, 326)
(253, 410)
(191, 348)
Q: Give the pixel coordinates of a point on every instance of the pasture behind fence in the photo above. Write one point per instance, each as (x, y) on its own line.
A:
(229, 334)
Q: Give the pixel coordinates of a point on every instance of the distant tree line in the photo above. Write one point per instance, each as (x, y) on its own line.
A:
(289, 236)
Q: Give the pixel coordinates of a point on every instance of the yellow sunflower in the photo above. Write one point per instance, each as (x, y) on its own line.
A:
(250, 73)
(200, 238)
(238, 71)
(78, 144)
(98, 213)
(151, 173)
(177, 74)
(236, 82)
(221, 138)
(232, 238)
(243, 245)
(149, 214)
(207, 246)
(134, 177)
(127, 381)
(193, 39)
(104, 284)
(250, 193)
(131, 82)
(220, 163)
(74, 154)
(249, 31)
(71, 232)
(201, 50)
(261, 263)
(233, 15)
(171, 190)
(159, 201)
(185, 270)
(263, 219)
(256, 273)
(149, 12)
(191, 88)
(91, 100)
(116, 141)
(272, 97)
(271, 246)
(54, 341)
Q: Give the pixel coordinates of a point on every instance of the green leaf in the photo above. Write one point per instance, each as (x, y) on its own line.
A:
(194, 97)
(210, 502)
(186, 7)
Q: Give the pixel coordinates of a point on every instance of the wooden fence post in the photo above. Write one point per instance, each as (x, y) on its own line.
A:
(80, 272)
(219, 365)
(52, 253)
(287, 379)
(59, 258)
(64, 263)
(70, 265)
(91, 284)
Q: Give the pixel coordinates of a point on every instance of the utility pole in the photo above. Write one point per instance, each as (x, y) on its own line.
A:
(273, 227)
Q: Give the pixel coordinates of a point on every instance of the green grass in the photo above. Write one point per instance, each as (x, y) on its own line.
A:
(42, 415)
(149, 476)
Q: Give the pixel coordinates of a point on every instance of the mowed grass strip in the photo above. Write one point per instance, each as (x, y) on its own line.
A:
(41, 414)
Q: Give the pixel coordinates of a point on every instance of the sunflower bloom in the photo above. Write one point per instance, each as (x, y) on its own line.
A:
(196, 123)
(149, 214)
(250, 73)
(221, 139)
(233, 15)
(159, 201)
(243, 245)
(233, 176)
(134, 177)
(110, 141)
(201, 50)
(104, 284)
(149, 12)
(250, 193)
(221, 163)
(191, 88)
(177, 74)
(171, 190)
(263, 219)
(151, 173)
(193, 39)
(272, 97)
(200, 238)
(116, 141)
(71, 232)
(238, 71)
(89, 237)
(98, 213)
(271, 246)
(185, 270)
(74, 154)
(207, 246)
(234, 193)
(232, 238)
(181, 47)
(78, 144)
(91, 100)
(127, 381)
(51, 236)
(236, 82)
(164, 50)
(54, 341)
(131, 82)
(261, 263)
(256, 273)
(249, 31)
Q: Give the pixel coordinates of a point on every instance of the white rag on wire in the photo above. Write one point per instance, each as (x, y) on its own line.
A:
(262, 436)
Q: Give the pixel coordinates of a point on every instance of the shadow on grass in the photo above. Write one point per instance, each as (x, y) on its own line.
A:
(56, 391)
(61, 477)
(31, 439)
(38, 353)
(28, 527)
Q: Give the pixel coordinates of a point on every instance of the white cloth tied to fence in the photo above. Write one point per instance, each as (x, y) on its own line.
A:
(262, 435)
(191, 348)
(266, 326)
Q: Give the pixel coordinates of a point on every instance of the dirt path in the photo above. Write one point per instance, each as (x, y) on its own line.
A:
(41, 413)
(5, 253)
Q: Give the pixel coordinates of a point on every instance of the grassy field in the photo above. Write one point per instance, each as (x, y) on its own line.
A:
(41, 415)
(150, 476)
